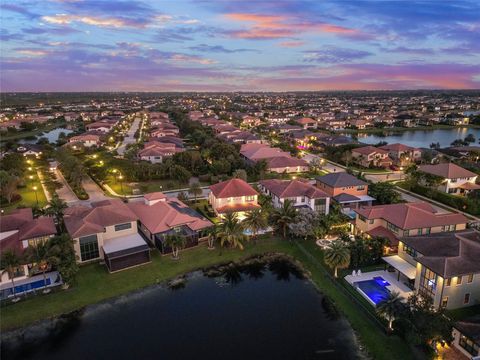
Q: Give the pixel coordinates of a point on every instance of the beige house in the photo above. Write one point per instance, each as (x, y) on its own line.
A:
(456, 180)
(402, 155)
(106, 231)
(367, 156)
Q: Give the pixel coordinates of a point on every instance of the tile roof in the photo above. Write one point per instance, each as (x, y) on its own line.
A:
(81, 220)
(232, 188)
(380, 231)
(470, 327)
(165, 215)
(397, 147)
(446, 170)
(448, 254)
(293, 188)
(284, 161)
(411, 215)
(340, 179)
(367, 150)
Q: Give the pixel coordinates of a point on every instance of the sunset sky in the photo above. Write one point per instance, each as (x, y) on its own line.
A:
(70, 45)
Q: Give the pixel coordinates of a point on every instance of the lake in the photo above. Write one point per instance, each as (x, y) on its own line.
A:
(252, 312)
(51, 135)
(421, 138)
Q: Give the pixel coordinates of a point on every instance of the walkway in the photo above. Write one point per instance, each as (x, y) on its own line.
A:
(130, 137)
(65, 192)
(44, 188)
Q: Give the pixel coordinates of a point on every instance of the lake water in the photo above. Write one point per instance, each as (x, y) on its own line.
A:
(51, 135)
(421, 138)
(256, 312)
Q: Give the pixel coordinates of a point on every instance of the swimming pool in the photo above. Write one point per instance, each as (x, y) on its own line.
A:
(375, 289)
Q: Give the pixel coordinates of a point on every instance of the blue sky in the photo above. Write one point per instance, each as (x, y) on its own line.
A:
(75, 45)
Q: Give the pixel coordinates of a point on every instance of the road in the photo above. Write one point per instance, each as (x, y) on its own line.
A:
(397, 175)
(94, 192)
(65, 192)
(130, 137)
(326, 166)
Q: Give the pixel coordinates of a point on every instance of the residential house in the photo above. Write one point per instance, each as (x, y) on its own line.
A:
(466, 336)
(456, 180)
(301, 193)
(159, 216)
(87, 140)
(370, 156)
(402, 155)
(30, 150)
(19, 231)
(234, 195)
(346, 190)
(306, 123)
(101, 126)
(277, 160)
(156, 152)
(106, 231)
(396, 221)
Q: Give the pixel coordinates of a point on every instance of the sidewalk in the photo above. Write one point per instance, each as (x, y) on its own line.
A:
(40, 178)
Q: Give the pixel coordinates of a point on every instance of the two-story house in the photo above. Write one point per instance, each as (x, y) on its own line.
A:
(368, 156)
(19, 231)
(106, 231)
(159, 216)
(402, 155)
(396, 221)
(234, 195)
(446, 267)
(87, 140)
(346, 190)
(306, 123)
(301, 193)
(456, 180)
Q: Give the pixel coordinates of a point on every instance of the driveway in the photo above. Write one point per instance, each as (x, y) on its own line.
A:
(130, 137)
(65, 192)
(94, 191)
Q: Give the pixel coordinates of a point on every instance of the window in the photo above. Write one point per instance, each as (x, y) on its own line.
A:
(250, 198)
(89, 247)
(410, 251)
(303, 199)
(419, 231)
(371, 221)
(121, 227)
(468, 345)
(444, 302)
(469, 278)
(428, 282)
(448, 281)
(392, 227)
(459, 280)
(363, 218)
(466, 298)
(37, 240)
(428, 230)
(360, 188)
(406, 232)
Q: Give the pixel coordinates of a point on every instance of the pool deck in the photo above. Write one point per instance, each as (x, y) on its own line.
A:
(395, 285)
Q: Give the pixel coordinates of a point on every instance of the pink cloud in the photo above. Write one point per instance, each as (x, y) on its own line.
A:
(291, 44)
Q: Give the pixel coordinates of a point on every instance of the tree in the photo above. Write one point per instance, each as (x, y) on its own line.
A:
(435, 146)
(182, 196)
(8, 185)
(55, 208)
(195, 190)
(231, 232)
(212, 237)
(337, 256)
(44, 254)
(384, 193)
(305, 224)
(470, 138)
(391, 307)
(67, 265)
(240, 174)
(255, 221)
(176, 242)
(10, 261)
(283, 217)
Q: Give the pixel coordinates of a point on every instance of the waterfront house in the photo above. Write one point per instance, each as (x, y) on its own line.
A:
(87, 140)
(370, 156)
(402, 155)
(456, 180)
(396, 221)
(301, 193)
(277, 160)
(19, 231)
(159, 216)
(107, 230)
(233, 196)
(346, 190)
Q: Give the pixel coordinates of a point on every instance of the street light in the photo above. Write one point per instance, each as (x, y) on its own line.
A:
(120, 177)
(36, 196)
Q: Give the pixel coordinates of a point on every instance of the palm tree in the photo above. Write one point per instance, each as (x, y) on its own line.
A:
(391, 307)
(195, 190)
(175, 242)
(44, 255)
(255, 221)
(10, 262)
(284, 216)
(231, 232)
(55, 208)
(213, 233)
(337, 256)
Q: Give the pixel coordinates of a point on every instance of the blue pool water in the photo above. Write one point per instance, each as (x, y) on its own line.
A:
(20, 289)
(375, 289)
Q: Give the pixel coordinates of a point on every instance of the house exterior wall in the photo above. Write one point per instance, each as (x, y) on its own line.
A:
(450, 186)
(289, 170)
(456, 339)
(220, 202)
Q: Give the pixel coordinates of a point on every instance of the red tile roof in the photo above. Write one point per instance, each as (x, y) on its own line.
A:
(447, 170)
(380, 231)
(397, 147)
(284, 161)
(232, 188)
(367, 150)
(293, 188)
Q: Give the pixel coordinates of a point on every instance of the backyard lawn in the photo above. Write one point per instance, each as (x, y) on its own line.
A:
(125, 188)
(94, 284)
(27, 193)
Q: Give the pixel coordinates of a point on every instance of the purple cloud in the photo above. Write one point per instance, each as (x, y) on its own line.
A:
(334, 55)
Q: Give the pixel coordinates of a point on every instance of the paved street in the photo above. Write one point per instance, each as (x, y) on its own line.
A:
(398, 175)
(130, 137)
(94, 192)
(65, 192)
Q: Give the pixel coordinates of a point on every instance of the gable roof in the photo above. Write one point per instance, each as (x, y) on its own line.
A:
(367, 150)
(447, 170)
(293, 188)
(284, 161)
(397, 147)
(340, 179)
(232, 188)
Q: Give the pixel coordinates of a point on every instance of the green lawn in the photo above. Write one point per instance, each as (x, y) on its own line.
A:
(148, 186)
(23, 134)
(28, 198)
(95, 284)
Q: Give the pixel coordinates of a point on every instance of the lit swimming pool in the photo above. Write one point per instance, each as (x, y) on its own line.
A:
(375, 289)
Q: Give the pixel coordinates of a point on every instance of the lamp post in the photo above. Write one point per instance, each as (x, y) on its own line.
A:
(120, 177)
(36, 196)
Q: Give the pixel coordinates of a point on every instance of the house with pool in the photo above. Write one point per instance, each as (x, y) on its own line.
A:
(19, 231)
(107, 231)
(159, 216)
(396, 221)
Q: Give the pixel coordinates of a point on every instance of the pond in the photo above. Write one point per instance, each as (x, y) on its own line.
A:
(51, 135)
(421, 138)
(259, 311)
